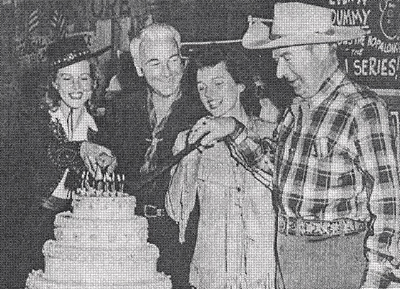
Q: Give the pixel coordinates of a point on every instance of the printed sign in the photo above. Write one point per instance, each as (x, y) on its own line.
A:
(373, 60)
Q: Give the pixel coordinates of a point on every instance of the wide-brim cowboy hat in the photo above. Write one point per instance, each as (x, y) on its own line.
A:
(298, 24)
(70, 50)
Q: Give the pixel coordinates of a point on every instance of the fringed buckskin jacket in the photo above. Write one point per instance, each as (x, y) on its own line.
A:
(236, 232)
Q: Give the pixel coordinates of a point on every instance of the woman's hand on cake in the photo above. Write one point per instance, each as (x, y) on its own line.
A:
(94, 156)
(106, 161)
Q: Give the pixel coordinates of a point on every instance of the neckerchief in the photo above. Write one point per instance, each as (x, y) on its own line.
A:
(149, 158)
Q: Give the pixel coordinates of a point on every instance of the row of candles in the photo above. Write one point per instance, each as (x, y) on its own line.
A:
(110, 185)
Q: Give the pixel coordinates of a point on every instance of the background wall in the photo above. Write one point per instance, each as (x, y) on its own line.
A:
(27, 26)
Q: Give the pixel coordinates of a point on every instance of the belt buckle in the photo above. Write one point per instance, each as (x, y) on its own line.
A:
(151, 211)
(343, 227)
(310, 228)
(353, 226)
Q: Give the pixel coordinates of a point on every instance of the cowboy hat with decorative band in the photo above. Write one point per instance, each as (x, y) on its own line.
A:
(298, 24)
(70, 50)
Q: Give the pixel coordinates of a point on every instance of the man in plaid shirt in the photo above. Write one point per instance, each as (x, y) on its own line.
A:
(335, 171)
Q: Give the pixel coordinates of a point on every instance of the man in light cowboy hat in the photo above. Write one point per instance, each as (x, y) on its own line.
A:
(335, 173)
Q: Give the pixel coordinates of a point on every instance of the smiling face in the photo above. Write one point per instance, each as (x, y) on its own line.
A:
(162, 66)
(219, 93)
(302, 66)
(74, 84)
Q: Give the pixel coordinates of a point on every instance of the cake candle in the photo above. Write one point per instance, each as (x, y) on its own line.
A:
(119, 182)
(87, 183)
(113, 188)
(104, 192)
(82, 182)
(122, 183)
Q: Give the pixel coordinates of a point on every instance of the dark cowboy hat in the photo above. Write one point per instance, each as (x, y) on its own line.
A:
(70, 50)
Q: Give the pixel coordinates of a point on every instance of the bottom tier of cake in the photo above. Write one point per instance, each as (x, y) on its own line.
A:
(88, 265)
(37, 280)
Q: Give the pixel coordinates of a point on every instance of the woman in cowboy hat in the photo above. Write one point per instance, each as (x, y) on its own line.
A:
(59, 145)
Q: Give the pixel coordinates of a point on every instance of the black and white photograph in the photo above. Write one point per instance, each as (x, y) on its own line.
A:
(200, 144)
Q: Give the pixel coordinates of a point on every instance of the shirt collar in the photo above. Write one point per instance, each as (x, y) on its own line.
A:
(80, 132)
(150, 94)
(150, 106)
(327, 87)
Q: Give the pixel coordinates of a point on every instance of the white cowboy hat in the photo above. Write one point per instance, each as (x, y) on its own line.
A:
(298, 24)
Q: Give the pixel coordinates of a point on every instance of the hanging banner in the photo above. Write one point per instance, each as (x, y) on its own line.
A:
(373, 60)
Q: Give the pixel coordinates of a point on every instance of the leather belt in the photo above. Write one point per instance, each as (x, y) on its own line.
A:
(316, 228)
(150, 211)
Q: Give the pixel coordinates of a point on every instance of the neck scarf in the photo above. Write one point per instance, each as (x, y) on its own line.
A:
(150, 156)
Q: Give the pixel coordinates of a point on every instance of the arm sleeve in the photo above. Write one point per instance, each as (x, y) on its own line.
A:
(378, 157)
(181, 195)
(46, 155)
(62, 153)
(254, 149)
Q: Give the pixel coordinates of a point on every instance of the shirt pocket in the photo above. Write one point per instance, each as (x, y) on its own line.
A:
(337, 161)
(323, 148)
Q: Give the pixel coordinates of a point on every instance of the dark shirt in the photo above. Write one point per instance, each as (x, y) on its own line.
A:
(128, 124)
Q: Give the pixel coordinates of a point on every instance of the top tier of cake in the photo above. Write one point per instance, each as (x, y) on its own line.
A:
(121, 206)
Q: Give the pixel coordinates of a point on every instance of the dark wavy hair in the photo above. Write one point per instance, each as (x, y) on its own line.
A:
(238, 65)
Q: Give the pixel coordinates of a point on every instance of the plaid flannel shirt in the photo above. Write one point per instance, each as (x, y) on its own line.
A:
(336, 158)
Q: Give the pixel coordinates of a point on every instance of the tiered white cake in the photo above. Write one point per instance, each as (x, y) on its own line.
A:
(102, 244)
